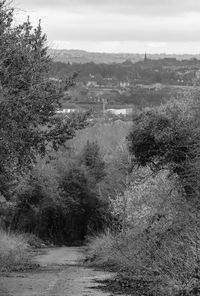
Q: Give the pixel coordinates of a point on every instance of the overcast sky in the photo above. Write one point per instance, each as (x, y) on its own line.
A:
(154, 26)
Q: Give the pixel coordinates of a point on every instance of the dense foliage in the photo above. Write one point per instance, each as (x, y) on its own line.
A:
(156, 244)
(28, 98)
(168, 140)
(166, 71)
(55, 204)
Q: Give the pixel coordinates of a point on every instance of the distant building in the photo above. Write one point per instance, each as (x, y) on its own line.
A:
(171, 60)
(70, 110)
(124, 84)
(109, 82)
(198, 74)
(55, 79)
(120, 111)
(91, 84)
(154, 86)
(63, 111)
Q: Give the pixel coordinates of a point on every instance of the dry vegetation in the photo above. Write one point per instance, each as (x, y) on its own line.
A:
(14, 251)
(157, 243)
(154, 239)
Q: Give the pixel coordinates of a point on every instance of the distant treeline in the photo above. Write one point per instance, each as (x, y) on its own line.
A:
(82, 56)
(167, 71)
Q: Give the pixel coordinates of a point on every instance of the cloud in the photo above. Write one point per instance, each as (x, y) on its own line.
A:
(112, 27)
(134, 7)
(155, 23)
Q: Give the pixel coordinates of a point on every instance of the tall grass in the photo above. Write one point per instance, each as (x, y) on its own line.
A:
(13, 251)
(100, 249)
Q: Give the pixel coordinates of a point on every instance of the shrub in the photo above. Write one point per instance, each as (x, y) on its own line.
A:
(100, 249)
(158, 242)
(13, 251)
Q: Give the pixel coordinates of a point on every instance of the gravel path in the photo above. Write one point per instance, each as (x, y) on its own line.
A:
(61, 274)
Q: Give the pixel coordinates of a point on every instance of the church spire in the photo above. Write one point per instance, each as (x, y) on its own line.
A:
(145, 57)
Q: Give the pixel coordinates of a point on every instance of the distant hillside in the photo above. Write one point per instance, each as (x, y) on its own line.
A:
(81, 56)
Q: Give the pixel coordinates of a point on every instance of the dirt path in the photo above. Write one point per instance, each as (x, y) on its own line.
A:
(61, 274)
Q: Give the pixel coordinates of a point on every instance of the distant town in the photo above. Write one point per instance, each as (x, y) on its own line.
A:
(121, 89)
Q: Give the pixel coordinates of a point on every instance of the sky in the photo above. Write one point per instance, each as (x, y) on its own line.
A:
(134, 26)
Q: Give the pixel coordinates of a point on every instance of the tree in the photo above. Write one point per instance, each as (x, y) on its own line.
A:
(29, 99)
(80, 197)
(169, 138)
(167, 141)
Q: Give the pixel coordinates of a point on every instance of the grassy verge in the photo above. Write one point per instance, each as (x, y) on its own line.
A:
(15, 251)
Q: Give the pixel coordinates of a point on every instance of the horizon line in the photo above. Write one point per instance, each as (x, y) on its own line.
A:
(139, 53)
